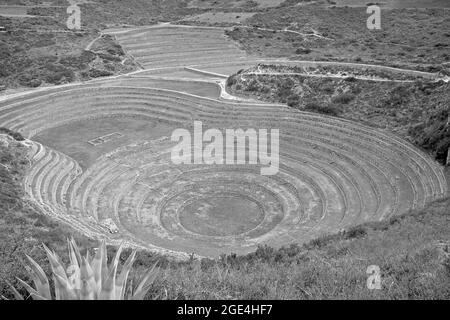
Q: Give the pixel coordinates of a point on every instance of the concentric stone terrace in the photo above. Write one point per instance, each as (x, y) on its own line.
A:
(333, 173)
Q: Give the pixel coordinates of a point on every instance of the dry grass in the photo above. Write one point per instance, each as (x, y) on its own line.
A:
(409, 37)
(412, 252)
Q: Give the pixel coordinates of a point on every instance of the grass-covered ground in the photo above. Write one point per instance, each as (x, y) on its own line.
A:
(414, 38)
(412, 252)
(40, 51)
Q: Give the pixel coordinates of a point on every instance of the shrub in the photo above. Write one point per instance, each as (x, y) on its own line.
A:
(434, 134)
(96, 73)
(355, 232)
(350, 79)
(231, 81)
(343, 98)
(302, 51)
(78, 61)
(29, 80)
(325, 109)
(252, 86)
(397, 97)
(109, 57)
(56, 73)
(16, 135)
(284, 89)
(328, 89)
(293, 100)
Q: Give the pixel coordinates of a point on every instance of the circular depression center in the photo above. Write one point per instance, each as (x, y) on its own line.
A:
(226, 215)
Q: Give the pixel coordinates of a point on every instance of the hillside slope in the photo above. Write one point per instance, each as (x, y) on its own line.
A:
(303, 30)
(418, 111)
(412, 252)
(22, 226)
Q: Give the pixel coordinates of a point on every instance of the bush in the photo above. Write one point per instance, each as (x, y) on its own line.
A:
(57, 73)
(324, 109)
(355, 232)
(252, 86)
(109, 57)
(284, 89)
(16, 135)
(79, 62)
(350, 79)
(398, 96)
(328, 89)
(96, 73)
(343, 98)
(293, 100)
(302, 51)
(231, 81)
(434, 134)
(29, 80)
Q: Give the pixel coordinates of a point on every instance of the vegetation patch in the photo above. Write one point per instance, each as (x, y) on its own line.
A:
(414, 38)
(40, 51)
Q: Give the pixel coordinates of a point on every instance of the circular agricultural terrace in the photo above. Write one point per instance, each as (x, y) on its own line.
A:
(101, 161)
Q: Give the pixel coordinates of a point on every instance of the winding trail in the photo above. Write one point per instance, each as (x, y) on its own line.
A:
(90, 44)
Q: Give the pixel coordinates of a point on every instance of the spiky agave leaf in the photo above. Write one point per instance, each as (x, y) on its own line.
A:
(90, 277)
(63, 289)
(74, 252)
(16, 293)
(33, 293)
(55, 264)
(96, 264)
(116, 257)
(123, 276)
(39, 278)
(87, 281)
(104, 267)
(73, 271)
(145, 283)
(109, 287)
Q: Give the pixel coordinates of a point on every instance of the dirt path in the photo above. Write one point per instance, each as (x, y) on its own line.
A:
(90, 44)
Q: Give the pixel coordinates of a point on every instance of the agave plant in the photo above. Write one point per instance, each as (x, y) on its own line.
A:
(86, 278)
